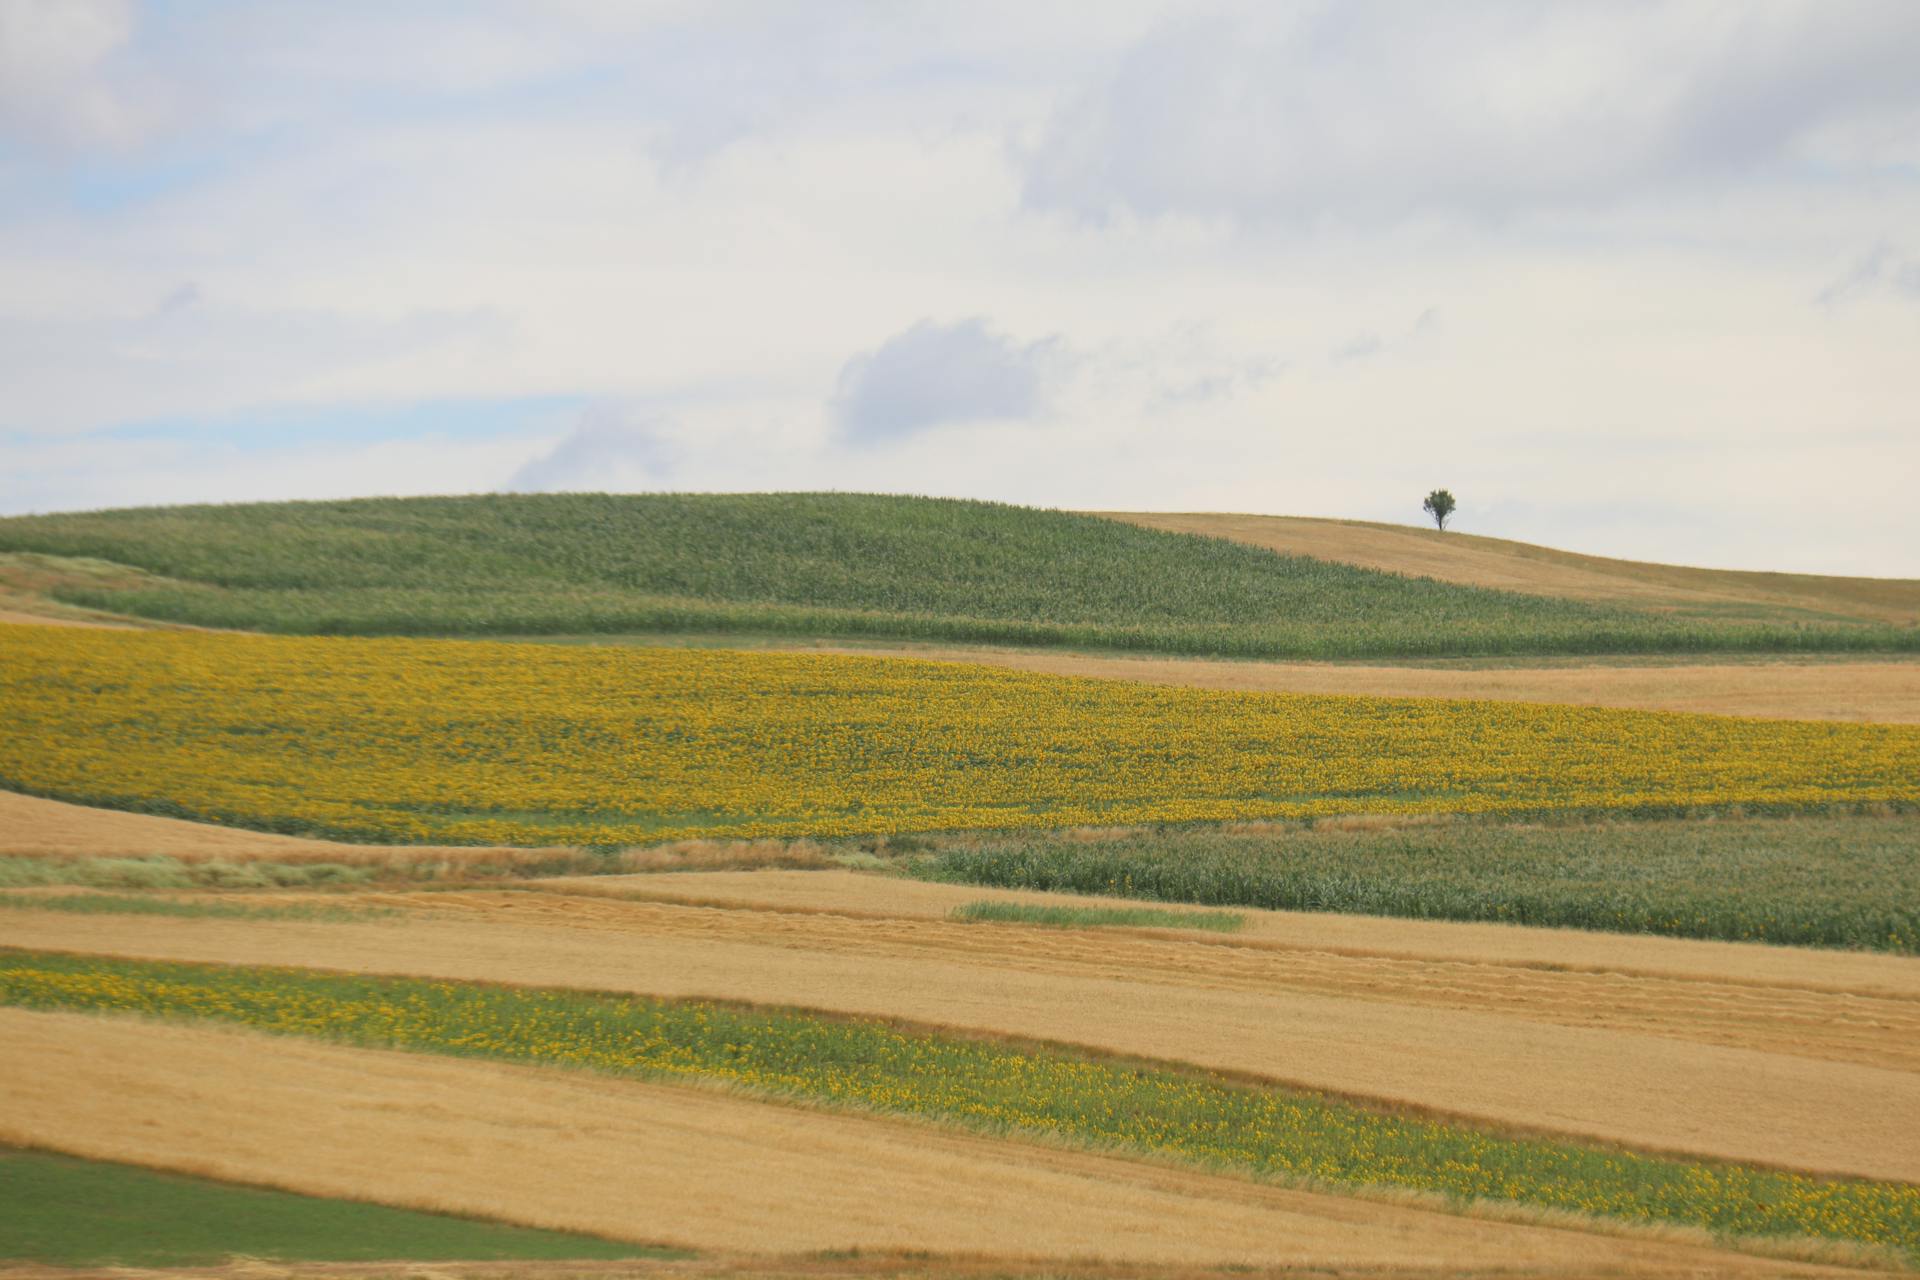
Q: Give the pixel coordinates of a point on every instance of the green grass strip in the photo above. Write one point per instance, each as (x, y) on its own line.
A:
(1097, 917)
(62, 1211)
(124, 904)
(1844, 881)
(994, 1087)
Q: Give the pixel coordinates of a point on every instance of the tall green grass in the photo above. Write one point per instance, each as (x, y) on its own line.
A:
(1826, 881)
(60, 1211)
(819, 565)
(1036, 1091)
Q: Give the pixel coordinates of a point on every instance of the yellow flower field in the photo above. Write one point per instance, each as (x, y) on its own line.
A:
(412, 740)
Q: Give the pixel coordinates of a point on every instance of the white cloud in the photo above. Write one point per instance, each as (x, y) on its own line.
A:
(689, 216)
(54, 85)
(610, 450)
(1382, 109)
(66, 475)
(190, 355)
(1882, 268)
(940, 373)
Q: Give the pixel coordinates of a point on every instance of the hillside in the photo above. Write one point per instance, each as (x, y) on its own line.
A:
(1471, 560)
(841, 565)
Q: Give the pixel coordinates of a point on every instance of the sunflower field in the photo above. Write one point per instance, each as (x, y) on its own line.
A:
(475, 742)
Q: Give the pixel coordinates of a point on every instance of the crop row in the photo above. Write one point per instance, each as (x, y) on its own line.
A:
(1000, 1088)
(1828, 881)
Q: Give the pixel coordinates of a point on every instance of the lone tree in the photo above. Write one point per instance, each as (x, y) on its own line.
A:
(1439, 505)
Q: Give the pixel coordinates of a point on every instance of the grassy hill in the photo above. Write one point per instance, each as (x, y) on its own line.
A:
(841, 565)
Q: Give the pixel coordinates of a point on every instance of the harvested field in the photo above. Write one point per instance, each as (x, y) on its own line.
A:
(1740, 1067)
(1024, 1090)
(23, 617)
(1471, 560)
(52, 828)
(864, 1265)
(857, 895)
(34, 827)
(547, 1148)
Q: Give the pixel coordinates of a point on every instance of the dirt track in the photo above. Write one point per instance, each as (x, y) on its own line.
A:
(698, 1168)
(1734, 1066)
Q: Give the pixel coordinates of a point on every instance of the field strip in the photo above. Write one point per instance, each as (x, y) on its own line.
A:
(862, 894)
(428, 741)
(1473, 560)
(662, 1164)
(21, 618)
(34, 826)
(1649, 1091)
(1866, 1029)
(1882, 692)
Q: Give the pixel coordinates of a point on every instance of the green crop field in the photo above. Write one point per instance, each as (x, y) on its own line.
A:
(1000, 1088)
(1828, 881)
(816, 565)
(991, 912)
(65, 1212)
(107, 904)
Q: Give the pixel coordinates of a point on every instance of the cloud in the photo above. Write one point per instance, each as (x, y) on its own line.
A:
(1362, 346)
(611, 451)
(1373, 110)
(1368, 345)
(178, 298)
(933, 374)
(55, 474)
(189, 355)
(54, 54)
(1883, 267)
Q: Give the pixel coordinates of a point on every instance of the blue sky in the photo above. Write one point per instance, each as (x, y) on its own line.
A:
(1640, 279)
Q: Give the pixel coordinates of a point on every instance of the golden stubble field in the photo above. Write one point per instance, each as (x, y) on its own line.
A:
(1805, 1060)
(700, 1168)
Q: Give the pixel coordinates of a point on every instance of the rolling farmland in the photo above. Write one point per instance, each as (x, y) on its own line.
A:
(654, 641)
(1001, 965)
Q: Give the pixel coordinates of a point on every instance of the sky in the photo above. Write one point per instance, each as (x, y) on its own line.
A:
(1639, 278)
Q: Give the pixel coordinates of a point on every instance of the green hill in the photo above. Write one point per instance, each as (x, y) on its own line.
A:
(831, 565)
